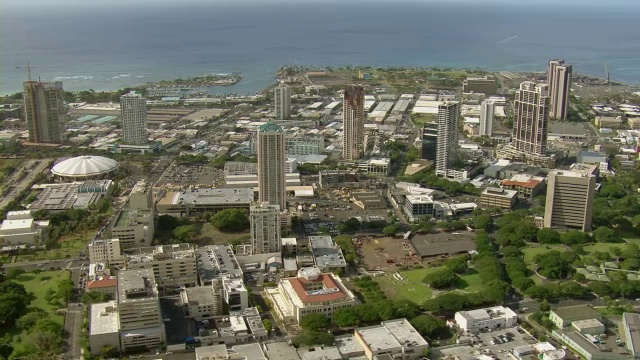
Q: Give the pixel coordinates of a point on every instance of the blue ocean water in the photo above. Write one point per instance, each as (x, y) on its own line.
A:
(112, 47)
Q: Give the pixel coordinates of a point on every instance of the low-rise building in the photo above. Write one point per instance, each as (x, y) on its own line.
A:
(202, 302)
(631, 328)
(498, 317)
(216, 261)
(172, 265)
(19, 228)
(397, 339)
(199, 201)
(588, 326)
(498, 197)
(526, 185)
(588, 347)
(310, 292)
(564, 316)
(104, 284)
(332, 179)
(133, 227)
(369, 200)
(611, 122)
(106, 252)
(326, 253)
(235, 293)
(104, 327)
(418, 207)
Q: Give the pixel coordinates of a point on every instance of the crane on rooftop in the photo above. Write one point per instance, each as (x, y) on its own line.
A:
(28, 67)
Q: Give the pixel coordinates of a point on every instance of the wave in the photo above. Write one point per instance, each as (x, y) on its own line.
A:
(122, 76)
(75, 77)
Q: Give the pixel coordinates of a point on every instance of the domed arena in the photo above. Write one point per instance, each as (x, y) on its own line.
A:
(84, 167)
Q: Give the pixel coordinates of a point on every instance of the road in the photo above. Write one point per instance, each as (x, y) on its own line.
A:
(72, 330)
(31, 169)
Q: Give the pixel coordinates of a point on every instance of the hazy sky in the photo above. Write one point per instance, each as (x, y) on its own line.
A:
(100, 3)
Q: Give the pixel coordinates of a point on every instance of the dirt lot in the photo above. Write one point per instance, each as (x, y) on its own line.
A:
(376, 253)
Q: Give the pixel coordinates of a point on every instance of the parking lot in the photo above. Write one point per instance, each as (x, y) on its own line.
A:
(190, 175)
(503, 341)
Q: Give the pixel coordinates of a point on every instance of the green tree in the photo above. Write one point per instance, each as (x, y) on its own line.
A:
(548, 236)
(457, 264)
(350, 225)
(94, 297)
(346, 317)
(185, 233)
(14, 273)
(391, 229)
(552, 265)
(66, 289)
(309, 338)
(314, 322)
(231, 220)
(50, 296)
(429, 326)
(29, 320)
(483, 222)
(441, 279)
(267, 325)
(606, 235)
(109, 352)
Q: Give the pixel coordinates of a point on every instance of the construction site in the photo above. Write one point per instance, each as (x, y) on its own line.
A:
(386, 253)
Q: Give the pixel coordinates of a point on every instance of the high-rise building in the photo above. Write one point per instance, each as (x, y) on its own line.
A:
(448, 132)
(271, 165)
(559, 82)
(487, 115)
(134, 119)
(569, 200)
(139, 310)
(282, 98)
(265, 228)
(430, 140)
(531, 118)
(353, 123)
(44, 111)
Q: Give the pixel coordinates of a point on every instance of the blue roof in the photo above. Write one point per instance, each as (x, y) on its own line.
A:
(271, 126)
(104, 119)
(87, 118)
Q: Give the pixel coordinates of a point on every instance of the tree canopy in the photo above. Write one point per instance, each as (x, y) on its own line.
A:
(231, 220)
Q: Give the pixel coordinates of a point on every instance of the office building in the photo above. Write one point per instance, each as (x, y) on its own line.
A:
(265, 228)
(631, 327)
(498, 317)
(498, 197)
(200, 201)
(19, 228)
(327, 255)
(430, 140)
(202, 302)
(310, 292)
(106, 252)
(173, 265)
(141, 196)
(133, 227)
(393, 339)
(448, 132)
(141, 324)
(271, 165)
(282, 98)
(305, 145)
(559, 83)
(569, 200)
(531, 118)
(353, 117)
(487, 116)
(134, 119)
(44, 111)
(235, 292)
(104, 327)
(480, 85)
(419, 207)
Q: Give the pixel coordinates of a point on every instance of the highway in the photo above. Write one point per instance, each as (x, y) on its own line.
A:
(23, 178)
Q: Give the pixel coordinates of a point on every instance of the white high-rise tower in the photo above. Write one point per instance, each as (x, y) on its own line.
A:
(271, 165)
(448, 133)
(134, 119)
(282, 98)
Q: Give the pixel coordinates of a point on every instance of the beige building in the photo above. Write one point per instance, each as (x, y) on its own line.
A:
(265, 228)
(282, 99)
(448, 133)
(141, 196)
(310, 292)
(393, 339)
(526, 185)
(44, 111)
(134, 119)
(104, 327)
(271, 165)
(19, 228)
(569, 200)
(480, 85)
(172, 265)
(531, 118)
(559, 83)
(202, 302)
(611, 122)
(141, 323)
(106, 252)
(498, 197)
(133, 227)
(353, 117)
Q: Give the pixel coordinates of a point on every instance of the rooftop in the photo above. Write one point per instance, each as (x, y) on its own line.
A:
(161, 252)
(103, 318)
(218, 196)
(488, 313)
(566, 173)
(217, 260)
(201, 295)
(137, 284)
(588, 323)
(632, 322)
(524, 180)
(500, 192)
(330, 290)
(419, 199)
(102, 283)
(271, 127)
(82, 166)
(281, 350)
(391, 335)
(326, 252)
(569, 313)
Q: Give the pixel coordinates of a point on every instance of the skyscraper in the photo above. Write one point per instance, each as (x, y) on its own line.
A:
(353, 123)
(559, 82)
(430, 140)
(531, 118)
(134, 119)
(487, 115)
(265, 228)
(44, 111)
(448, 132)
(271, 165)
(569, 200)
(282, 98)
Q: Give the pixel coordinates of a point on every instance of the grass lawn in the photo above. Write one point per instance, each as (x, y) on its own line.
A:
(209, 234)
(70, 246)
(531, 252)
(603, 247)
(421, 119)
(412, 288)
(471, 283)
(39, 284)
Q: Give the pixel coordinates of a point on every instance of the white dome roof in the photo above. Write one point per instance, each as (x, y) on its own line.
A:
(84, 166)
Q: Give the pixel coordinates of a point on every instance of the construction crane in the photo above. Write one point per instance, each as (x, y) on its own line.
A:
(606, 71)
(28, 67)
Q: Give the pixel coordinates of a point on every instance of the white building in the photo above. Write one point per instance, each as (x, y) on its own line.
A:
(397, 339)
(235, 293)
(104, 327)
(265, 228)
(487, 116)
(417, 207)
(134, 227)
(134, 119)
(172, 265)
(202, 302)
(139, 310)
(310, 292)
(19, 228)
(106, 252)
(448, 133)
(498, 317)
(282, 98)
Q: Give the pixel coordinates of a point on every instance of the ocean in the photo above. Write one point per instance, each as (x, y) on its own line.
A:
(105, 48)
